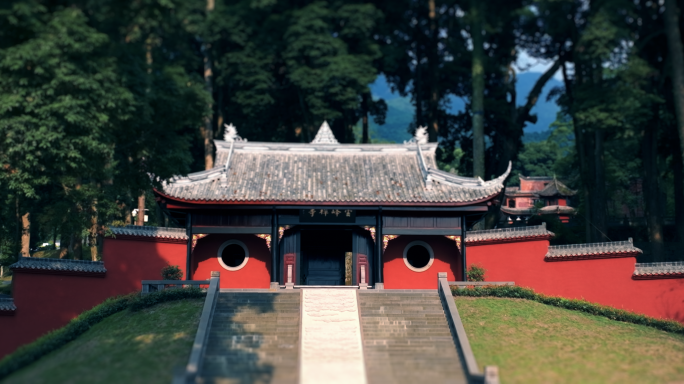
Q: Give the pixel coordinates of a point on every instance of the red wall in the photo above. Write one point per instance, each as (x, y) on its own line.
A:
(47, 301)
(602, 281)
(398, 276)
(255, 274)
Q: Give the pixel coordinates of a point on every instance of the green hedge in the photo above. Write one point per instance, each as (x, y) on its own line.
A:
(572, 304)
(56, 339)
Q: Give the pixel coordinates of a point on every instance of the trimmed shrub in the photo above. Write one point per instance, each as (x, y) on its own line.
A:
(56, 339)
(171, 272)
(515, 292)
(475, 273)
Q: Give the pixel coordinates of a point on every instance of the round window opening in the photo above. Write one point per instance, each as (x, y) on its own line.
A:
(232, 255)
(418, 256)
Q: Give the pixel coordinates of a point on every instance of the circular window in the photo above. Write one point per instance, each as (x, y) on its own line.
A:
(418, 256)
(233, 255)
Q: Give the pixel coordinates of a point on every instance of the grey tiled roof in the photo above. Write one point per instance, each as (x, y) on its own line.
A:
(59, 265)
(593, 250)
(145, 231)
(253, 172)
(556, 188)
(646, 270)
(7, 304)
(508, 234)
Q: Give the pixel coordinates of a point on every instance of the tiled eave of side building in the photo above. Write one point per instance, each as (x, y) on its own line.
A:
(59, 266)
(666, 270)
(592, 251)
(147, 233)
(327, 172)
(508, 235)
(548, 210)
(7, 306)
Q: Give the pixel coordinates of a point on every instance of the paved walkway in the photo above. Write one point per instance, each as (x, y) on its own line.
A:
(331, 338)
(321, 336)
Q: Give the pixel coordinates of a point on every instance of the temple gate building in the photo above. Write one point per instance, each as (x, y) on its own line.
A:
(325, 213)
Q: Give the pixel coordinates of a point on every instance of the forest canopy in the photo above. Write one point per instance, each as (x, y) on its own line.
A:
(101, 101)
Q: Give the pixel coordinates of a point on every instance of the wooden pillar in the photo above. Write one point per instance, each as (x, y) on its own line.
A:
(378, 245)
(188, 230)
(274, 247)
(463, 248)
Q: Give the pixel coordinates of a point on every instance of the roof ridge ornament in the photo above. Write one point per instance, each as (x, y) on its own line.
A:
(231, 133)
(325, 135)
(420, 137)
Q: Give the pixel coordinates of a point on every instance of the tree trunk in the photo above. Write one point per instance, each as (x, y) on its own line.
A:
(598, 195)
(477, 16)
(92, 239)
(418, 88)
(140, 219)
(676, 53)
(64, 244)
(433, 75)
(651, 190)
(678, 173)
(26, 235)
(77, 246)
(365, 100)
(208, 129)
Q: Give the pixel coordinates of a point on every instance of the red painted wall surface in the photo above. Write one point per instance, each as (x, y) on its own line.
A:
(255, 274)
(602, 281)
(49, 301)
(398, 276)
(531, 185)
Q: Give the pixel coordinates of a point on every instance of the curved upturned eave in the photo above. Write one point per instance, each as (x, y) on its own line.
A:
(328, 203)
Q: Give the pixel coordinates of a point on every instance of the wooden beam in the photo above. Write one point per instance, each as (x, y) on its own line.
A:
(422, 231)
(237, 230)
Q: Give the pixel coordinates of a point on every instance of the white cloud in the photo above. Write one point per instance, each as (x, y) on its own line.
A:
(526, 63)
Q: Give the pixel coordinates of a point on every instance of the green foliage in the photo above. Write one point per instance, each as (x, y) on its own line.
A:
(548, 157)
(171, 272)
(148, 300)
(54, 340)
(572, 304)
(476, 273)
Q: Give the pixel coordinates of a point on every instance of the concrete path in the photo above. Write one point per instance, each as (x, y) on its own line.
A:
(331, 350)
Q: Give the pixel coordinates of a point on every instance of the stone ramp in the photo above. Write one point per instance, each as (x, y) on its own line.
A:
(407, 339)
(254, 338)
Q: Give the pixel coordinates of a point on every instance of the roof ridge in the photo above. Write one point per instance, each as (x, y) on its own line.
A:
(66, 261)
(325, 135)
(59, 265)
(589, 245)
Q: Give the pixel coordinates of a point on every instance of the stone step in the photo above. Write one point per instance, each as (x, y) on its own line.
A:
(406, 339)
(254, 338)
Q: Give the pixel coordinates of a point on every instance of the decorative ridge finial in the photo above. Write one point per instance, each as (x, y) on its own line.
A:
(420, 137)
(325, 135)
(231, 133)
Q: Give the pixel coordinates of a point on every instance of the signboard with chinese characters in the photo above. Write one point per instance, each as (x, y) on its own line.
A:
(327, 215)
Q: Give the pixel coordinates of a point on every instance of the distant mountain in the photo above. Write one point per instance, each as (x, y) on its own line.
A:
(400, 111)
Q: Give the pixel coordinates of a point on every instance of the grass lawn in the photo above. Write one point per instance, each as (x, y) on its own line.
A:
(128, 347)
(537, 343)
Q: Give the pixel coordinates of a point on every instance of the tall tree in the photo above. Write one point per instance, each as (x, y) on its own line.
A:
(676, 50)
(477, 15)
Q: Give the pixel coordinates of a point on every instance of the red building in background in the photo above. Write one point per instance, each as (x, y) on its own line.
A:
(538, 195)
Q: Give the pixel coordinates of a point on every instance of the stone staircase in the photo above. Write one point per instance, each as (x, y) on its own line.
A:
(406, 339)
(254, 338)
